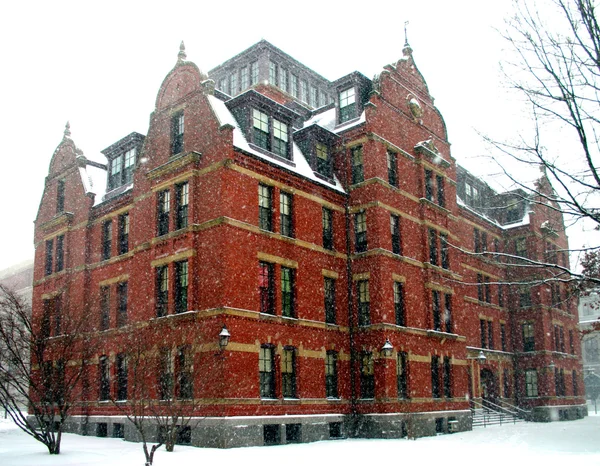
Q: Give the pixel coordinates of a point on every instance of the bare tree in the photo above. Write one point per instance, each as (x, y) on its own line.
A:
(157, 400)
(40, 373)
(556, 69)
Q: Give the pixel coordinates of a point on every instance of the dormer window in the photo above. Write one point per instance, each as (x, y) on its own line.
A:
(261, 129)
(347, 105)
(121, 158)
(323, 160)
(121, 169)
(177, 128)
(278, 141)
(280, 138)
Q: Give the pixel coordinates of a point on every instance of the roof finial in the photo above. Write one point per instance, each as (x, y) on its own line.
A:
(407, 50)
(67, 130)
(181, 56)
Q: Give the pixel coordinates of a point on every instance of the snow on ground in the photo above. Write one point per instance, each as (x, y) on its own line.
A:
(552, 444)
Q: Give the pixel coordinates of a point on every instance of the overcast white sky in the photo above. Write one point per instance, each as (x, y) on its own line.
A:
(99, 65)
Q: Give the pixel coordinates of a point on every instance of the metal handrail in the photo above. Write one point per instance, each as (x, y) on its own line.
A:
(501, 414)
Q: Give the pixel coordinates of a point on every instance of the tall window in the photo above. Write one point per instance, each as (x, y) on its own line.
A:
(115, 172)
(266, 370)
(254, 73)
(60, 196)
(347, 105)
(314, 102)
(429, 185)
(303, 91)
(181, 205)
(287, 292)
(503, 337)
(288, 373)
(177, 129)
(60, 253)
(280, 139)
(286, 214)
(364, 305)
(433, 249)
(260, 124)
(121, 376)
(399, 304)
(447, 377)
(367, 375)
(392, 165)
(266, 286)
(445, 258)
(283, 79)
(165, 375)
(233, 83)
(265, 207)
(327, 216)
(104, 378)
(331, 375)
(181, 286)
(360, 230)
(521, 247)
(244, 78)
(435, 377)
(122, 304)
(106, 239)
(437, 318)
(294, 85)
(524, 296)
(164, 208)
(104, 307)
(395, 231)
(500, 295)
(273, 73)
(329, 289)
(483, 332)
(123, 233)
(528, 336)
(358, 174)
(162, 290)
(49, 257)
(476, 240)
(128, 166)
(531, 383)
(185, 380)
(575, 384)
(448, 313)
(490, 328)
(402, 375)
(441, 191)
(323, 160)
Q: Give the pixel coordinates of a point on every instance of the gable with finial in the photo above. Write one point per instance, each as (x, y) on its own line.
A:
(66, 153)
(184, 79)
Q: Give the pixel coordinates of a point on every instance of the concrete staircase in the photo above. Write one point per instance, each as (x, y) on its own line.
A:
(486, 413)
(483, 417)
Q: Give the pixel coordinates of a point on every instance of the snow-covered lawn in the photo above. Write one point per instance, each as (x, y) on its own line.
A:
(557, 443)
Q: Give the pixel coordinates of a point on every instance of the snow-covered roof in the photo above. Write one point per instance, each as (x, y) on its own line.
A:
(327, 120)
(301, 167)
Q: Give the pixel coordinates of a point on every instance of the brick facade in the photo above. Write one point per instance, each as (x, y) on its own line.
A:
(336, 229)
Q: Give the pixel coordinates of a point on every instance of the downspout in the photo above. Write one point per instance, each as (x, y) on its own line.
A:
(351, 328)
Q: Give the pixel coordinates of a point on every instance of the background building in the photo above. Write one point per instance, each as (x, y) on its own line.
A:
(327, 227)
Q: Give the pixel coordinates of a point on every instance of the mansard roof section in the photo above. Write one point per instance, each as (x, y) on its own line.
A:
(263, 47)
(508, 209)
(185, 78)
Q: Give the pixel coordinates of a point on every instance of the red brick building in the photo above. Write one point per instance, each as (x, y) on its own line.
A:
(327, 227)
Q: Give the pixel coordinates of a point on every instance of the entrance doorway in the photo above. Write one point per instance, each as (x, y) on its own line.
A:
(489, 386)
